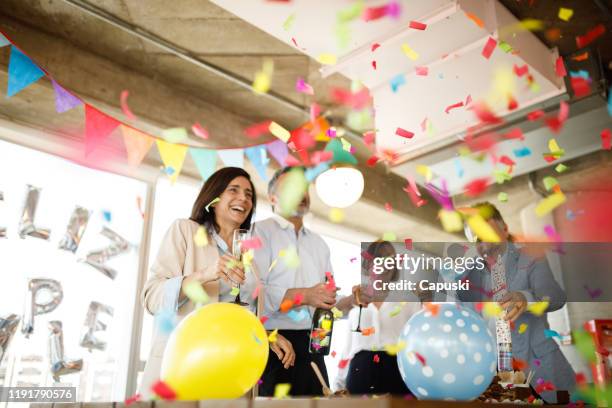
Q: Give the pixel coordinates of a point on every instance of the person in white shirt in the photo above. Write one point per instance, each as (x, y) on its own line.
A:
(302, 287)
(371, 369)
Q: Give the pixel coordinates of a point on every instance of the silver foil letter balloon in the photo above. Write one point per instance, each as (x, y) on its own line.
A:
(59, 366)
(93, 324)
(37, 303)
(75, 229)
(8, 326)
(26, 223)
(98, 258)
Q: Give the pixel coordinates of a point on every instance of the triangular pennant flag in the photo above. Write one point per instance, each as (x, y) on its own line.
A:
(257, 156)
(279, 150)
(173, 156)
(205, 160)
(98, 125)
(232, 157)
(22, 72)
(137, 144)
(4, 41)
(64, 100)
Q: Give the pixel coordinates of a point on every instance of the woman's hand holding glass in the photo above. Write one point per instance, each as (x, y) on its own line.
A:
(230, 270)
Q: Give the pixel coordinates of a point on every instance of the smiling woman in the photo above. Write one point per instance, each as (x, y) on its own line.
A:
(198, 252)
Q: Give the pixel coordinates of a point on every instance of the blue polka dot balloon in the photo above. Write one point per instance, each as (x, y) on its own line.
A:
(456, 357)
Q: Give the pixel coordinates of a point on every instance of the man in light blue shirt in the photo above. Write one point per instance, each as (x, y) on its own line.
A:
(297, 285)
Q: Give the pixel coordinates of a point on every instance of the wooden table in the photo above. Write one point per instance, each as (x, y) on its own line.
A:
(353, 402)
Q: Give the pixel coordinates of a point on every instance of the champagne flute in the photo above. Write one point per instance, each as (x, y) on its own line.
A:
(358, 328)
(240, 235)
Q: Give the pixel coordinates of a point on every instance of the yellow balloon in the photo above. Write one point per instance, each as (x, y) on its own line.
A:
(218, 351)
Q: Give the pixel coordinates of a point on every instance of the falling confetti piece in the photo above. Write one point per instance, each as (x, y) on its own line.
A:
(523, 152)
(196, 293)
(388, 207)
(199, 131)
(593, 294)
(163, 390)
(343, 363)
(453, 106)
(432, 308)
(327, 59)
(546, 205)
(375, 46)
(522, 328)
(337, 313)
(124, 105)
(376, 358)
(253, 243)
(396, 311)
(548, 333)
(200, 238)
(417, 25)
(282, 390)
(303, 87)
(502, 197)
(549, 182)
(404, 133)
(279, 131)
(482, 229)
(606, 139)
(298, 316)
(367, 331)
(263, 78)
(286, 305)
(476, 187)
(389, 236)
(519, 365)
(584, 40)
(489, 48)
(422, 71)
(560, 67)
(451, 220)
(235, 291)
(584, 344)
(565, 14)
(475, 19)
(492, 309)
(397, 81)
(212, 203)
(134, 398)
(420, 358)
(374, 64)
(408, 243)
(410, 53)
(273, 336)
(393, 349)
(425, 171)
(288, 23)
(538, 308)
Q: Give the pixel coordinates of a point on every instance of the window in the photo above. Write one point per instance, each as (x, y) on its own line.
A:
(112, 203)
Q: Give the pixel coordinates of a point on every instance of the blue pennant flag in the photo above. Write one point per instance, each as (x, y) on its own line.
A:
(205, 160)
(22, 72)
(258, 156)
(232, 157)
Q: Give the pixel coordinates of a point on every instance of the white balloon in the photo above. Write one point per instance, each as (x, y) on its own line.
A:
(340, 187)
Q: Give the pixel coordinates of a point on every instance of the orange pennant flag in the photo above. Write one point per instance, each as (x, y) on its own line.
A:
(137, 144)
(98, 126)
(173, 156)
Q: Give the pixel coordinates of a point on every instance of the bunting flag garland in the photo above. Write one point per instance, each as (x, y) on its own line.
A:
(137, 144)
(173, 156)
(232, 157)
(64, 100)
(257, 156)
(279, 150)
(4, 41)
(98, 126)
(205, 160)
(22, 72)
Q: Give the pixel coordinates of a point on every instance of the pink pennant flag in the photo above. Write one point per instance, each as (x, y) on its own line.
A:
(137, 144)
(64, 100)
(489, 48)
(98, 126)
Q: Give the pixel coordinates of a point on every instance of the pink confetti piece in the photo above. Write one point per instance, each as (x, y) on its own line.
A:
(424, 125)
(420, 358)
(303, 87)
(408, 243)
(417, 25)
(315, 110)
(422, 71)
(124, 105)
(453, 106)
(404, 133)
(375, 46)
(489, 48)
(520, 71)
(256, 292)
(258, 129)
(535, 115)
(253, 243)
(560, 67)
(374, 64)
(368, 137)
(515, 133)
(198, 130)
(606, 139)
(388, 207)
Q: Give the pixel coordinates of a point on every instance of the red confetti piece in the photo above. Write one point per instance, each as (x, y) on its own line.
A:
(556, 124)
(489, 48)
(374, 13)
(388, 207)
(512, 103)
(515, 133)
(372, 161)
(519, 365)
(535, 115)
(263, 319)
(581, 379)
(375, 46)
(331, 283)
(476, 187)
(468, 100)
(333, 354)
(298, 299)
(343, 363)
(420, 357)
(367, 331)
(374, 64)
(520, 71)
(124, 105)
(580, 86)
(453, 106)
(560, 67)
(258, 129)
(584, 40)
(134, 398)
(294, 42)
(432, 308)
(506, 160)
(163, 390)
(422, 71)
(408, 243)
(479, 307)
(404, 133)
(376, 358)
(199, 131)
(417, 25)
(286, 305)
(369, 137)
(485, 115)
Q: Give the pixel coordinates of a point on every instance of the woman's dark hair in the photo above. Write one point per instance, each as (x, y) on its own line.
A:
(213, 188)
